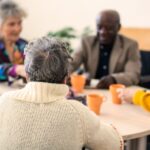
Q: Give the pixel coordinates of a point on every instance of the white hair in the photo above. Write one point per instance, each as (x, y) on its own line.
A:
(10, 9)
(46, 60)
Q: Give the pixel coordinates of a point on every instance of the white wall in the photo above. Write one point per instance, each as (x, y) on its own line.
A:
(45, 15)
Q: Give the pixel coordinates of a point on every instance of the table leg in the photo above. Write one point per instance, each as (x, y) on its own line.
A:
(136, 144)
(142, 143)
(131, 144)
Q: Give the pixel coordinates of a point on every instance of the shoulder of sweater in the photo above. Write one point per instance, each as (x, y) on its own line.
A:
(4, 99)
(9, 94)
(78, 106)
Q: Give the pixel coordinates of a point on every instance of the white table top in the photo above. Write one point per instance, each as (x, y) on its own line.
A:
(131, 121)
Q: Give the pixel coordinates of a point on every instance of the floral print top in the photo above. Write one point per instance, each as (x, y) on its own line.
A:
(8, 64)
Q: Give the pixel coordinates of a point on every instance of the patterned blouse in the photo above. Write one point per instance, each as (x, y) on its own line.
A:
(7, 64)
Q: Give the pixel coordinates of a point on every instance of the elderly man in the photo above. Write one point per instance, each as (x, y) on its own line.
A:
(109, 56)
(38, 117)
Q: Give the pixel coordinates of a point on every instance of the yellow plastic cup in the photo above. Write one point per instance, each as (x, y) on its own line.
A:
(142, 98)
(145, 102)
(138, 96)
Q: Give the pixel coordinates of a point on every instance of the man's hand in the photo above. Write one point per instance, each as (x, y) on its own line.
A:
(105, 82)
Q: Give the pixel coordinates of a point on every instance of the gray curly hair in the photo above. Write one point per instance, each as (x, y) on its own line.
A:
(10, 9)
(47, 60)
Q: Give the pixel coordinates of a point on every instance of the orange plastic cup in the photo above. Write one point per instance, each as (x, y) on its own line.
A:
(113, 90)
(94, 102)
(78, 82)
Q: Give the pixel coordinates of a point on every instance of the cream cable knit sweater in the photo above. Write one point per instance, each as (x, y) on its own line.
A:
(38, 117)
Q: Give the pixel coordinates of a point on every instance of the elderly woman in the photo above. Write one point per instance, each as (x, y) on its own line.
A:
(11, 45)
(39, 117)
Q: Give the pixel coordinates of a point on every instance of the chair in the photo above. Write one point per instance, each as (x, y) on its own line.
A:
(145, 71)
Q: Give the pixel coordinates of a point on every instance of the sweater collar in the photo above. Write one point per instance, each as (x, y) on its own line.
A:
(40, 92)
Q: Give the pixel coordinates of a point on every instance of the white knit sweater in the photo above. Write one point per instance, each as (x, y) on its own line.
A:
(38, 117)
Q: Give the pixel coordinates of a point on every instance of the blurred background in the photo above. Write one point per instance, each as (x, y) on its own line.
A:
(51, 15)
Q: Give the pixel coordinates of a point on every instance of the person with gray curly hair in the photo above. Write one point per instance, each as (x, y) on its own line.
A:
(11, 45)
(40, 117)
(47, 62)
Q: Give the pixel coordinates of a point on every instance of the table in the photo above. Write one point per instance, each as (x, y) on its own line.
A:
(132, 121)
